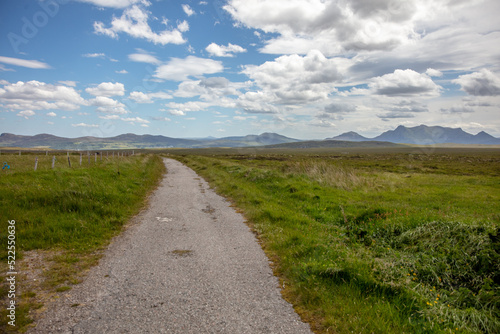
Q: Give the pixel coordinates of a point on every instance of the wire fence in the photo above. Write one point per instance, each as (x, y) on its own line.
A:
(13, 161)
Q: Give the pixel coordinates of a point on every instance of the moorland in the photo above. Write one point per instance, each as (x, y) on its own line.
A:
(382, 240)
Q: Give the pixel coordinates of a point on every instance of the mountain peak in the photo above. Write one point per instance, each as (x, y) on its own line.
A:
(429, 135)
(349, 136)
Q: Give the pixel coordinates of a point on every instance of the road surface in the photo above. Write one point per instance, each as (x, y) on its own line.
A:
(188, 265)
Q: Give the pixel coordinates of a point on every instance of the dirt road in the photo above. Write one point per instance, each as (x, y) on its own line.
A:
(189, 265)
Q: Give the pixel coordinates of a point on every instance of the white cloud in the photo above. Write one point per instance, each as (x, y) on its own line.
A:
(112, 3)
(109, 117)
(433, 73)
(183, 26)
(135, 120)
(256, 106)
(85, 125)
(26, 113)
(188, 10)
(94, 55)
(36, 95)
(68, 83)
(107, 105)
(134, 22)
(24, 63)
(5, 69)
(176, 112)
(404, 83)
(160, 96)
(214, 89)
(294, 80)
(482, 83)
(144, 58)
(224, 51)
(178, 69)
(51, 114)
(180, 109)
(457, 109)
(162, 119)
(339, 108)
(103, 101)
(243, 118)
(107, 89)
(121, 72)
(330, 26)
(141, 97)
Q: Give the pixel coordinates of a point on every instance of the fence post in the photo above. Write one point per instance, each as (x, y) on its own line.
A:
(19, 152)
(53, 161)
(69, 161)
(36, 162)
(101, 155)
(95, 157)
(81, 158)
(88, 157)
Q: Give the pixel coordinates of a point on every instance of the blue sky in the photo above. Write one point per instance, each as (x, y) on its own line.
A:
(302, 68)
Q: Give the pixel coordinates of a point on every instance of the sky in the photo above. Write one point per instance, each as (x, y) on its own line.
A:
(307, 69)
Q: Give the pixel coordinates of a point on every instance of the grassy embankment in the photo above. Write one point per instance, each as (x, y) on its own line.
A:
(375, 243)
(64, 217)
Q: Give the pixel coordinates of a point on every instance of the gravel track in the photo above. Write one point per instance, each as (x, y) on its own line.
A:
(188, 265)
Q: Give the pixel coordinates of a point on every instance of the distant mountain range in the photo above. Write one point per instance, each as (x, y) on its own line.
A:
(129, 140)
(424, 135)
(420, 135)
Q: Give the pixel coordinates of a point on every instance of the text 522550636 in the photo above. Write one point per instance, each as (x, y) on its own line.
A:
(11, 274)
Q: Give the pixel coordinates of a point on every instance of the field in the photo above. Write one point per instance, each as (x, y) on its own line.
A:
(364, 240)
(373, 241)
(64, 217)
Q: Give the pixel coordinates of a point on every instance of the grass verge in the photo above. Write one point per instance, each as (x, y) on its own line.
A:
(375, 244)
(64, 218)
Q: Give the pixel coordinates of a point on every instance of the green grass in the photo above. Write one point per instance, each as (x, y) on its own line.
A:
(375, 243)
(68, 214)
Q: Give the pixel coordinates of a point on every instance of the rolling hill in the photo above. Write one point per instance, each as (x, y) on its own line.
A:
(420, 135)
(129, 141)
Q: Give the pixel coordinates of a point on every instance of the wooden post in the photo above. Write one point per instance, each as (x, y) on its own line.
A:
(53, 161)
(69, 162)
(81, 158)
(95, 158)
(88, 157)
(46, 152)
(36, 162)
(19, 152)
(101, 155)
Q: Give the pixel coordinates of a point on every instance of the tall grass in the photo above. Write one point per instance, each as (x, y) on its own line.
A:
(69, 213)
(380, 249)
